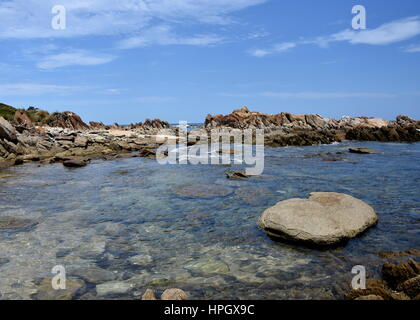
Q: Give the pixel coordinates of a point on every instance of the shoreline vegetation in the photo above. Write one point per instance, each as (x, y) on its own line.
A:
(34, 135)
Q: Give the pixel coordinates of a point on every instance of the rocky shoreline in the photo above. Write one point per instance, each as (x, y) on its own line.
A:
(60, 137)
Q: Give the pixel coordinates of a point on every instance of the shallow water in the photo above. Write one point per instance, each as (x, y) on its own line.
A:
(123, 224)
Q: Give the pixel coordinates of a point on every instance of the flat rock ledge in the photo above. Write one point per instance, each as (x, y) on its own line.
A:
(325, 219)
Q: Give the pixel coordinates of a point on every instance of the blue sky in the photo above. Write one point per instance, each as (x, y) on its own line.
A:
(124, 61)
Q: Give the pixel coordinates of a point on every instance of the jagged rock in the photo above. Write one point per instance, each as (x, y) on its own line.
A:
(377, 288)
(149, 295)
(69, 120)
(411, 286)
(174, 294)
(395, 274)
(97, 125)
(323, 219)
(22, 119)
(7, 132)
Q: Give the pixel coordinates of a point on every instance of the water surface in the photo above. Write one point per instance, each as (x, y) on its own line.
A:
(123, 222)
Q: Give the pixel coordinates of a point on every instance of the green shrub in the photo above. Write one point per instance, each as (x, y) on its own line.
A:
(7, 112)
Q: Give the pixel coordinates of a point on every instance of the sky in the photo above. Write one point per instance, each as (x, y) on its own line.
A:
(179, 60)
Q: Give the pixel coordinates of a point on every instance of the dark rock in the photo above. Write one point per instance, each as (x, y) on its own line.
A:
(377, 288)
(237, 174)
(148, 153)
(75, 163)
(395, 274)
(362, 151)
(411, 287)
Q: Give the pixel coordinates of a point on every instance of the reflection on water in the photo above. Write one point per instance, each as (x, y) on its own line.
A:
(121, 227)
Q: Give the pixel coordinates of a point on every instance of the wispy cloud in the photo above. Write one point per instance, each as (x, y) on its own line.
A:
(164, 35)
(414, 48)
(31, 19)
(19, 89)
(277, 48)
(73, 58)
(388, 33)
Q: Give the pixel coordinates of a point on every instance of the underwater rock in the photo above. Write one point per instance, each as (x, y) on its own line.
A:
(16, 224)
(204, 191)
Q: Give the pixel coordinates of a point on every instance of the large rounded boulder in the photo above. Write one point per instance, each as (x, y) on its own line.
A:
(324, 219)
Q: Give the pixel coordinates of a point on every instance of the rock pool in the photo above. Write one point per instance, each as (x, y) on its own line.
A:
(120, 227)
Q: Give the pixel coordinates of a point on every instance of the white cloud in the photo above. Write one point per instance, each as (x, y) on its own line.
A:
(388, 33)
(73, 58)
(19, 89)
(31, 19)
(277, 48)
(163, 35)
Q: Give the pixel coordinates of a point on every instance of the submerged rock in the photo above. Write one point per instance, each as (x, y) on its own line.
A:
(16, 224)
(362, 151)
(204, 191)
(114, 287)
(95, 275)
(323, 219)
(47, 292)
(174, 294)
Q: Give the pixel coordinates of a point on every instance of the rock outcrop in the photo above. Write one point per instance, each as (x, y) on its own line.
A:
(400, 281)
(68, 120)
(323, 219)
(288, 129)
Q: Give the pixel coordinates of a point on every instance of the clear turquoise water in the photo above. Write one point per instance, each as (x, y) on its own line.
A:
(103, 215)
